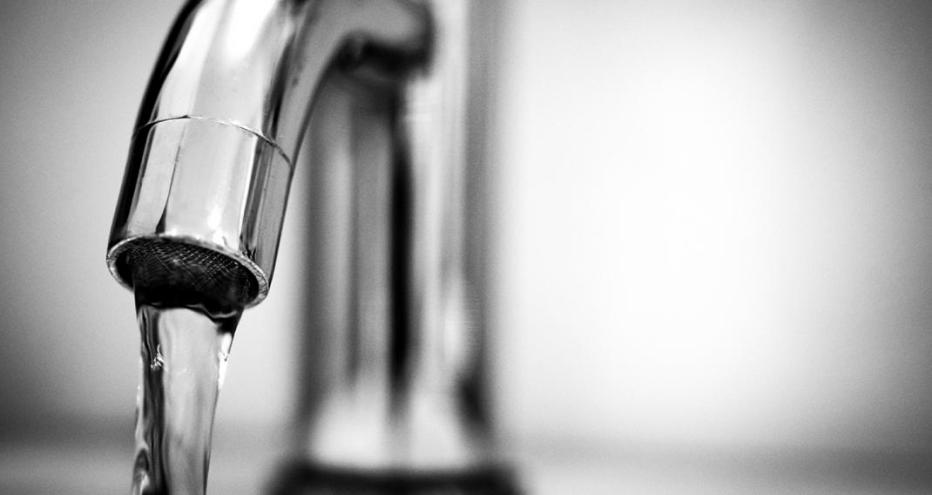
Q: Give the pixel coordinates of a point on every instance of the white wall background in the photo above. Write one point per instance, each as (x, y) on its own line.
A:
(714, 224)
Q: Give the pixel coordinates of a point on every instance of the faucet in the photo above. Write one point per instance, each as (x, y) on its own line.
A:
(379, 89)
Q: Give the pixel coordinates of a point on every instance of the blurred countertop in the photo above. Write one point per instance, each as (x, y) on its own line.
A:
(97, 458)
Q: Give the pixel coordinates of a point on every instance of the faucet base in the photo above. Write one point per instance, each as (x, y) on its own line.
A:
(310, 479)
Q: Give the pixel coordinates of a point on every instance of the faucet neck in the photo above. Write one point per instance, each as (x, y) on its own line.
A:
(224, 114)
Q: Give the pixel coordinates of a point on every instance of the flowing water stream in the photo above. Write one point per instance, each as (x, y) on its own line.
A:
(184, 356)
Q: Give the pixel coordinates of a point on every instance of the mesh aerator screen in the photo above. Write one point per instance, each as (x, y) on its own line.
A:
(171, 272)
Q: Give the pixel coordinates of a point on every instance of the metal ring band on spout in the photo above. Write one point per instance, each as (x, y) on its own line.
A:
(204, 183)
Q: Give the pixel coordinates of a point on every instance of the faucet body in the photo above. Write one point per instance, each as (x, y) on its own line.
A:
(223, 117)
(381, 87)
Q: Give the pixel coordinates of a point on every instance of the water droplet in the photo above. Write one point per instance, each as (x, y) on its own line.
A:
(224, 358)
(158, 361)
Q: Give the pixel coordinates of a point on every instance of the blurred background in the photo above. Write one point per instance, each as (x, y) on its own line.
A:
(712, 250)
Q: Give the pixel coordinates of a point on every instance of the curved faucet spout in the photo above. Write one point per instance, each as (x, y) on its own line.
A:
(221, 123)
(402, 388)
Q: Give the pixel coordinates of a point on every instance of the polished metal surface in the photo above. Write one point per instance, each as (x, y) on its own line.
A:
(225, 112)
(395, 370)
(394, 376)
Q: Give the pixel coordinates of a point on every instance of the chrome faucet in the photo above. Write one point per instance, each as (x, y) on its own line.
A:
(381, 88)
